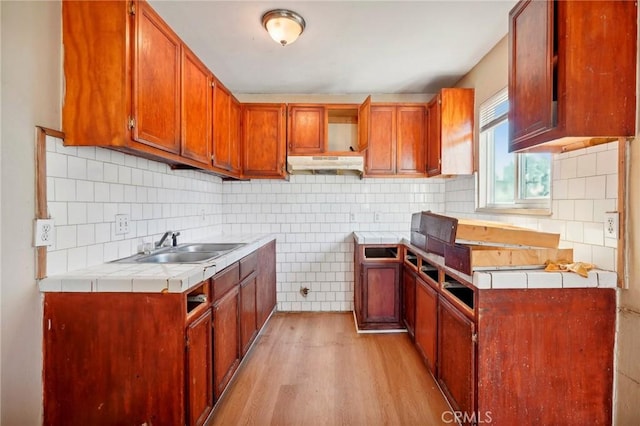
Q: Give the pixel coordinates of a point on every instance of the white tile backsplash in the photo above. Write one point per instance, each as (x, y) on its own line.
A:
(310, 215)
(585, 185)
(92, 185)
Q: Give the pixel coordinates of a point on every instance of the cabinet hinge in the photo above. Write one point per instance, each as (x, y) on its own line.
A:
(474, 338)
(213, 157)
(132, 8)
(213, 84)
(132, 123)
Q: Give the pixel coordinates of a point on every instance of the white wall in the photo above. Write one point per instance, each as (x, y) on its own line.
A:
(31, 46)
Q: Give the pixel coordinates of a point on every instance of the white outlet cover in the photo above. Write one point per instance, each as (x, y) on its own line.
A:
(122, 224)
(44, 232)
(611, 225)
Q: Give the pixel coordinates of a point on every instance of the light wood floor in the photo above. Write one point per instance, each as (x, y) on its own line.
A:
(314, 369)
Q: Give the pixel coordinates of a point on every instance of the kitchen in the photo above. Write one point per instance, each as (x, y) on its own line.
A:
(248, 206)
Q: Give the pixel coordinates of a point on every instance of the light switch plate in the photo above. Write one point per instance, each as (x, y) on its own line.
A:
(611, 225)
(122, 224)
(43, 233)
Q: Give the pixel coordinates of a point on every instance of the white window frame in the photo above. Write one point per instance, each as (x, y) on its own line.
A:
(488, 120)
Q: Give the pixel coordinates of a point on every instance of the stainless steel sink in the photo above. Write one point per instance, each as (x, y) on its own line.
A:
(185, 253)
(208, 247)
(178, 257)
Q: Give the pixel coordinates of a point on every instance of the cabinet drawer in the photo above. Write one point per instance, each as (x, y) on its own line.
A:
(248, 264)
(225, 280)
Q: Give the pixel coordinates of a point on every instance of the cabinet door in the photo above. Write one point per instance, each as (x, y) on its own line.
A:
(156, 82)
(196, 109)
(235, 136)
(456, 357)
(263, 141)
(456, 131)
(433, 137)
(364, 124)
(530, 69)
(426, 328)
(381, 154)
(411, 140)
(248, 326)
(266, 285)
(226, 350)
(381, 293)
(409, 299)
(199, 370)
(306, 129)
(221, 127)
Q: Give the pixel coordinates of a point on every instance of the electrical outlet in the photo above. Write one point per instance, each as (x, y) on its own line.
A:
(352, 217)
(122, 224)
(611, 225)
(43, 233)
(377, 217)
(202, 216)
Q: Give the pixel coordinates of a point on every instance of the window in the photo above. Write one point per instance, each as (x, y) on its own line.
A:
(509, 181)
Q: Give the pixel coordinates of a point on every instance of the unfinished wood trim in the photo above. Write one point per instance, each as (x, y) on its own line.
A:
(623, 200)
(42, 211)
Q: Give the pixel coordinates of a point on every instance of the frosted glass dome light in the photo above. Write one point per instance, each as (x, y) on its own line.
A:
(284, 26)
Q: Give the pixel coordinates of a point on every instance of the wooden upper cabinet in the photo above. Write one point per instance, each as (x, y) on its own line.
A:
(410, 140)
(433, 137)
(381, 154)
(132, 85)
(235, 136)
(263, 141)
(450, 132)
(364, 124)
(156, 82)
(572, 74)
(306, 127)
(396, 140)
(221, 127)
(196, 108)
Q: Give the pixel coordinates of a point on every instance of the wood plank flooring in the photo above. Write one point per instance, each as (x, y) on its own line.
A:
(314, 369)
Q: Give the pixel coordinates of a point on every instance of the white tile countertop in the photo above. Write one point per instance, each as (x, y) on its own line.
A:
(502, 278)
(153, 277)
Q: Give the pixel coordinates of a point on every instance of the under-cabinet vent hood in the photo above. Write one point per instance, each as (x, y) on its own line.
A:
(326, 164)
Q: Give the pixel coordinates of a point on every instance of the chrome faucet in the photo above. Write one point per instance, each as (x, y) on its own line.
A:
(174, 238)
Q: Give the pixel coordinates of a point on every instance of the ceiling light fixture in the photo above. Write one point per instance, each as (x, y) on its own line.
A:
(284, 26)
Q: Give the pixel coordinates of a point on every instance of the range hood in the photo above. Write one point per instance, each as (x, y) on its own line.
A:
(326, 164)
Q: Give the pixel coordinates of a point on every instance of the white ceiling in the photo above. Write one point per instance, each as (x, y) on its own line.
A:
(347, 47)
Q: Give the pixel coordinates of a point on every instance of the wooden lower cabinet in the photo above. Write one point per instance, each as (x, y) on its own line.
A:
(226, 343)
(244, 297)
(513, 356)
(456, 357)
(409, 299)
(199, 370)
(121, 358)
(545, 356)
(151, 358)
(378, 287)
(426, 323)
(381, 295)
(248, 324)
(266, 285)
